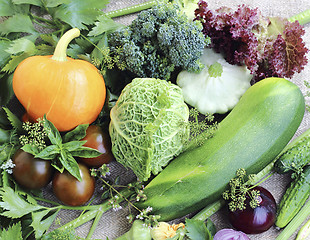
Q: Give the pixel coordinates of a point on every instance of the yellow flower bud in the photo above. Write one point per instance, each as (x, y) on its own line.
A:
(165, 230)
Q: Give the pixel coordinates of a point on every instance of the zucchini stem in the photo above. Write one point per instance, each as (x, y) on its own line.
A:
(60, 53)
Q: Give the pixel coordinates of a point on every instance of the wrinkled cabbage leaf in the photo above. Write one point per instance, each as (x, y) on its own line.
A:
(147, 125)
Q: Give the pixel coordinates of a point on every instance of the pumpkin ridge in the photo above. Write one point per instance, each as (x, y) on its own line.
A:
(55, 98)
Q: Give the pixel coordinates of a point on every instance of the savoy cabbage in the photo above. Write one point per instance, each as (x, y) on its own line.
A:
(148, 125)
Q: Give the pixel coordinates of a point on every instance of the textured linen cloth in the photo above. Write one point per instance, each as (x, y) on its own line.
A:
(114, 223)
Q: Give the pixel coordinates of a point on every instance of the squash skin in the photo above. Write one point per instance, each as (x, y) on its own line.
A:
(250, 137)
(69, 92)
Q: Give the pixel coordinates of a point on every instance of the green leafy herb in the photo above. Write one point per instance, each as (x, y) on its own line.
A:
(13, 232)
(240, 187)
(14, 204)
(61, 151)
(201, 128)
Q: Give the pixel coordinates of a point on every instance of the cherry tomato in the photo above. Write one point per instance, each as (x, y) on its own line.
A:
(31, 172)
(259, 219)
(71, 191)
(98, 139)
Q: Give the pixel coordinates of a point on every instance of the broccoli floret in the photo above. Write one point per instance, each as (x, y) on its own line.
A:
(158, 42)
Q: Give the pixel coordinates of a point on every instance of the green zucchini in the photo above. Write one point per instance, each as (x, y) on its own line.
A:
(294, 198)
(250, 137)
(295, 156)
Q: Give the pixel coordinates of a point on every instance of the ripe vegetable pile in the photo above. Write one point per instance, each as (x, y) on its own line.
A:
(134, 94)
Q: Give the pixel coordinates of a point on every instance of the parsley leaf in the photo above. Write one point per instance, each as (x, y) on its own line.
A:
(13, 63)
(14, 204)
(103, 25)
(18, 23)
(4, 56)
(79, 13)
(22, 45)
(55, 3)
(13, 232)
(9, 9)
(41, 221)
(197, 230)
(33, 2)
(6, 89)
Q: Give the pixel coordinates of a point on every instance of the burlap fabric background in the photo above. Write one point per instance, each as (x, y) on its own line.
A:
(114, 223)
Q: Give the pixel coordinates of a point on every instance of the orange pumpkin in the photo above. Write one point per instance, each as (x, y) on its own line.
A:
(69, 91)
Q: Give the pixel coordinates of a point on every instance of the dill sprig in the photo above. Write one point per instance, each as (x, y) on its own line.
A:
(111, 191)
(201, 128)
(240, 189)
(35, 134)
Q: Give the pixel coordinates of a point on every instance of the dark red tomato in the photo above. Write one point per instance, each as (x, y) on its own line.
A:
(98, 139)
(31, 172)
(259, 219)
(71, 191)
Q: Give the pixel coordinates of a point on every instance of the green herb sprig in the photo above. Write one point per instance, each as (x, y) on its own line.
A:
(61, 151)
(201, 128)
(115, 196)
(240, 187)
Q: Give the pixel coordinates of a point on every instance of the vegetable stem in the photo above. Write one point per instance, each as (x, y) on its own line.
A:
(95, 223)
(132, 9)
(303, 17)
(209, 210)
(61, 47)
(295, 223)
(91, 214)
